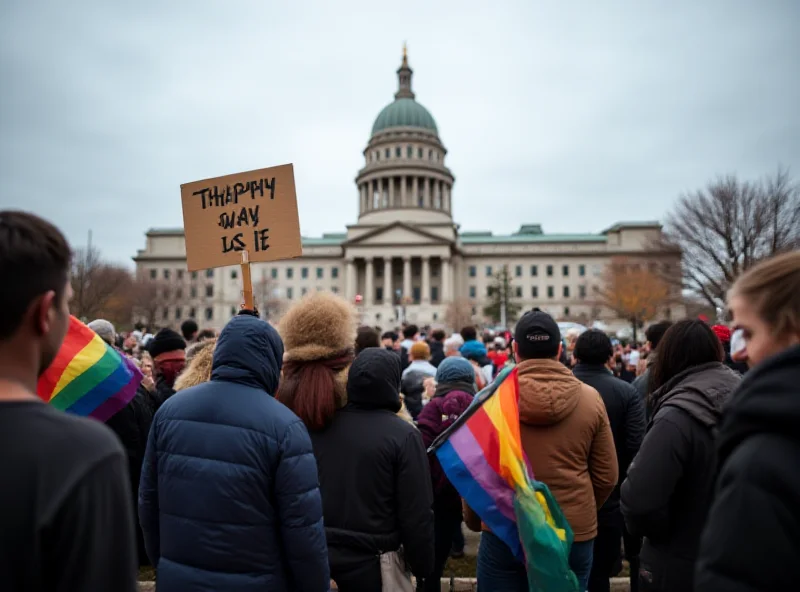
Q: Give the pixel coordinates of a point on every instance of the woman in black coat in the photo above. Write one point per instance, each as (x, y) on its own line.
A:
(751, 541)
(667, 493)
(374, 479)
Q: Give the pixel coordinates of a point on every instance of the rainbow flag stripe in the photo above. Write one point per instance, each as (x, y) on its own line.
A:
(88, 377)
(482, 456)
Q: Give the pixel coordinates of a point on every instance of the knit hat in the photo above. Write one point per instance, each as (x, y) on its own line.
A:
(165, 341)
(420, 351)
(104, 329)
(537, 335)
(473, 350)
(320, 326)
(723, 332)
(455, 369)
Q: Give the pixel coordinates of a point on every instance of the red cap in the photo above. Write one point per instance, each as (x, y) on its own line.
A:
(723, 332)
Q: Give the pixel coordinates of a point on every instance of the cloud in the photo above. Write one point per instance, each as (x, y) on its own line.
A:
(572, 115)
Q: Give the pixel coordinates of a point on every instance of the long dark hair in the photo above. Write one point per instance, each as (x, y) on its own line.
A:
(686, 344)
(309, 388)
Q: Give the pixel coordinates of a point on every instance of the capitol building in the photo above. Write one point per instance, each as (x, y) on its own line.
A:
(405, 258)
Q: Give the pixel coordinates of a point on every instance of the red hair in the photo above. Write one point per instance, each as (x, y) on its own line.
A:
(309, 388)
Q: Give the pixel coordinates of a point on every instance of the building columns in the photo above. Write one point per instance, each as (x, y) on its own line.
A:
(446, 289)
(369, 289)
(415, 192)
(388, 294)
(426, 197)
(426, 280)
(350, 280)
(407, 277)
(403, 199)
(390, 180)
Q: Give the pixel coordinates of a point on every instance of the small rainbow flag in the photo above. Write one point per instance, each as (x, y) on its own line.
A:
(482, 456)
(88, 377)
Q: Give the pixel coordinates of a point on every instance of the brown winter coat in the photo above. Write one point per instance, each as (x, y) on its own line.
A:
(567, 437)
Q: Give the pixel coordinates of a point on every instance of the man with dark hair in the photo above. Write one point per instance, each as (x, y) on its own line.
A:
(653, 333)
(389, 340)
(566, 435)
(66, 515)
(594, 352)
(366, 337)
(469, 334)
(410, 336)
(189, 331)
(437, 347)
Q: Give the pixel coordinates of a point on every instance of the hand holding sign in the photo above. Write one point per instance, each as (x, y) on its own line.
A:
(241, 218)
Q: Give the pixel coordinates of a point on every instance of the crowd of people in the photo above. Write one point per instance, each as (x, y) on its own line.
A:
(284, 458)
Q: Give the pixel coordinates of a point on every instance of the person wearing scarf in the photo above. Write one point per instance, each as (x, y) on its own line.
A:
(167, 349)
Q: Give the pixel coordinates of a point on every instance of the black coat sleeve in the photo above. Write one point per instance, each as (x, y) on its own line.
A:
(415, 505)
(95, 548)
(634, 429)
(751, 541)
(653, 476)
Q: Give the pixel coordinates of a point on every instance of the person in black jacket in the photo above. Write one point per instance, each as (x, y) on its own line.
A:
(593, 351)
(751, 541)
(437, 347)
(374, 479)
(667, 494)
(654, 333)
(168, 350)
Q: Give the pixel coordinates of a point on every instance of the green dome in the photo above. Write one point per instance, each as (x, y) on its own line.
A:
(404, 112)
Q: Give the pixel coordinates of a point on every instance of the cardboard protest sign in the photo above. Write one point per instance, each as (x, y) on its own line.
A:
(254, 212)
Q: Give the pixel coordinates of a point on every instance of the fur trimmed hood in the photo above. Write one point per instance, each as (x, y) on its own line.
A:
(198, 370)
(320, 326)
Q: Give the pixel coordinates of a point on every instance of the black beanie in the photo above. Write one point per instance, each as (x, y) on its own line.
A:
(165, 340)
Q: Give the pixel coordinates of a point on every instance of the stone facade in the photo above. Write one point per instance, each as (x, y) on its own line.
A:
(405, 258)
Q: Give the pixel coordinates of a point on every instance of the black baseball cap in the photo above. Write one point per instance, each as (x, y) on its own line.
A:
(537, 335)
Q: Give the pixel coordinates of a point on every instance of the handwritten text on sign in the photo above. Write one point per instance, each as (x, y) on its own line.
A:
(254, 211)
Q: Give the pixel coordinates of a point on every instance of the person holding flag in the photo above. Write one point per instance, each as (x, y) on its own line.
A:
(533, 458)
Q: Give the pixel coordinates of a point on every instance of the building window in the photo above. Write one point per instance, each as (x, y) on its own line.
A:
(209, 291)
(488, 271)
(582, 292)
(377, 155)
(388, 153)
(234, 274)
(379, 294)
(549, 271)
(166, 274)
(179, 274)
(550, 291)
(535, 291)
(518, 271)
(192, 313)
(398, 152)
(303, 291)
(581, 270)
(179, 293)
(434, 294)
(565, 270)
(430, 154)
(304, 272)
(194, 275)
(233, 311)
(566, 311)
(193, 292)
(436, 316)
(518, 291)
(289, 293)
(320, 273)
(209, 314)
(334, 272)
(153, 274)
(473, 292)
(165, 314)
(274, 273)
(534, 270)
(473, 271)
(416, 294)
(409, 151)
(289, 273)
(335, 290)
(209, 273)
(419, 152)
(566, 291)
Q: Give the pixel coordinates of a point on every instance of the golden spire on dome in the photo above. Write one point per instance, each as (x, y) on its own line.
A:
(405, 54)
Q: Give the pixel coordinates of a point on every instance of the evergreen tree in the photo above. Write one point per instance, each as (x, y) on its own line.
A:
(501, 293)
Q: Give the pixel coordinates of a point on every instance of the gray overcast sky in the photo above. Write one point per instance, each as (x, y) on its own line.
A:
(571, 114)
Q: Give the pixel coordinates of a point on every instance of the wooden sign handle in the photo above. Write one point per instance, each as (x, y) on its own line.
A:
(247, 282)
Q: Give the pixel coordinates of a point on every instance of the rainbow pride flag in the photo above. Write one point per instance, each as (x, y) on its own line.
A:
(482, 456)
(88, 377)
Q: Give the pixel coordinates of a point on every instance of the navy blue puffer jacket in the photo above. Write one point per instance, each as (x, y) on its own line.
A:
(229, 495)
